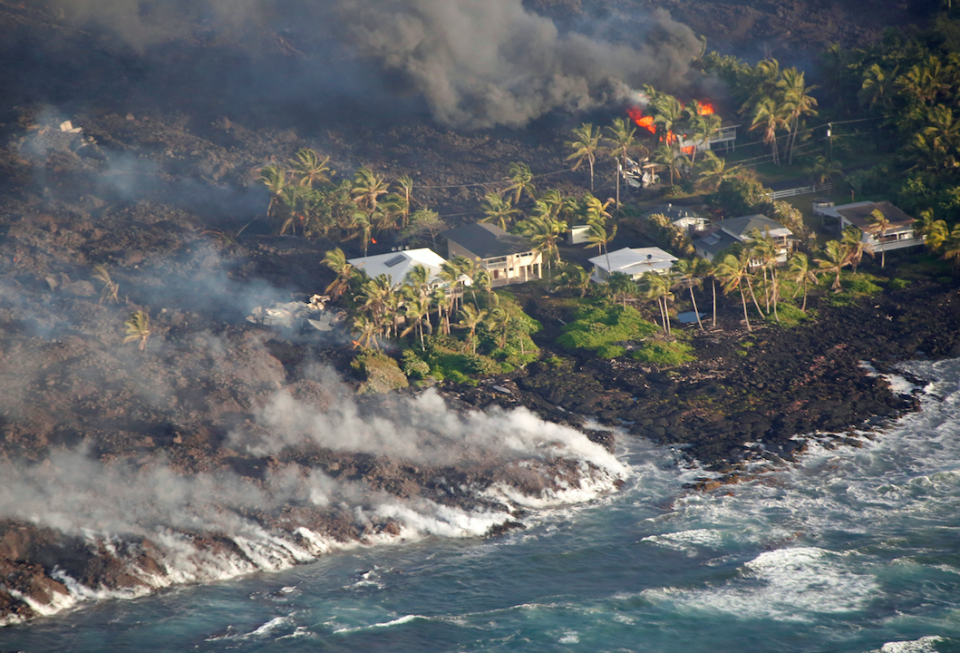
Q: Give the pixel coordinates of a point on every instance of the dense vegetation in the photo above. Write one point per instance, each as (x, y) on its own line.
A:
(902, 93)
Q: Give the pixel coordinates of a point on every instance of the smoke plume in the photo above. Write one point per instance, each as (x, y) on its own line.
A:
(477, 64)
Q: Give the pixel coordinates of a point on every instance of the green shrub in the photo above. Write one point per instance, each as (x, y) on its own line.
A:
(413, 367)
(899, 284)
(610, 351)
(595, 327)
(664, 354)
(381, 373)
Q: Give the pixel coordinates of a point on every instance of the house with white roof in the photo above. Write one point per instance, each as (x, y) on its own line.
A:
(899, 233)
(396, 265)
(739, 230)
(634, 262)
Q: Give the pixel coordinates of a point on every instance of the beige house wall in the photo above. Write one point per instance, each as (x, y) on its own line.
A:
(504, 270)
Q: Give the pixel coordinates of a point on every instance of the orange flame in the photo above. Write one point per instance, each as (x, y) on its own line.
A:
(705, 109)
(373, 240)
(642, 121)
(687, 150)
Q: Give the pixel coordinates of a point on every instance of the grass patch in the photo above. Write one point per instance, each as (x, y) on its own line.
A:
(790, 316)
(597, 327)
(665, 354)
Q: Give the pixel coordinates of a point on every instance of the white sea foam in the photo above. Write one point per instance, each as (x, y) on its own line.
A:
(689, 542)
(796, 584)
(385, 624)
(922, 645)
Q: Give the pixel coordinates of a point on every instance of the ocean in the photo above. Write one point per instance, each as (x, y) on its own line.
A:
(851, 549)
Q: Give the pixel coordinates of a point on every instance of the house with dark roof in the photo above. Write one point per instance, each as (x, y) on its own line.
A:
(682, 217)
(738, 230)
(507, 257)
(899, 233)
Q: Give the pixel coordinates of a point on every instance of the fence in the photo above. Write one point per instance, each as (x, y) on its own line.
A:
(793, 192)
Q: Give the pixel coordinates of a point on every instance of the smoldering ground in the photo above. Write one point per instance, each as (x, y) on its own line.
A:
(475, 64)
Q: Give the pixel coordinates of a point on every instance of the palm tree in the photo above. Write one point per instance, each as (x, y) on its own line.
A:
(687, 277)
(713, 170)
(274, 178)
(764, 249)
(599, 237)
(797, 103)
(824, 169)
(703, 128)
(418, 278)
(452, 275)
(310, 168)
(500, 324)
(444, 303)
(731, 274)
(364, 229)
(620, 135)
(138, 328)
(876, 86)
(110, 289)
(521, 181)
(483, 282)
(855, 246)
(367, 331)
(836, 256)
(594, 210)
(621, 285)
(669, 114)
(705, 270)
(416, 311)
(336, 260)
(802, 274)
(879, 223)
(934, 232)
(768, 116)
(585, 146)
(575, 277)
(499, 210)
(951, 248)
(367, 189)
(374, 295)
(402, 200)
(470, 319)
(544, 233)
(670, 159)
(656, 287)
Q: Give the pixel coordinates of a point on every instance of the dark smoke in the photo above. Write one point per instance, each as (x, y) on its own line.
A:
(477, 63)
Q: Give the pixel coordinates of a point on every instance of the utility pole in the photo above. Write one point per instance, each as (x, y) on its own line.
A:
(830, 138)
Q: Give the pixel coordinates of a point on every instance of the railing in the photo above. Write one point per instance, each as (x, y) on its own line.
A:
(793, 192)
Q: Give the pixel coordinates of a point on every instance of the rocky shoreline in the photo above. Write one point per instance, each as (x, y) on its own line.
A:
(226, 447)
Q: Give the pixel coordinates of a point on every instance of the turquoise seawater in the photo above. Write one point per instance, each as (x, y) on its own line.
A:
(850, 550)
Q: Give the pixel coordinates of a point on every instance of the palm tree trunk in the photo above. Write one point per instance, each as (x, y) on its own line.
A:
(776, 316)
(753, 295)
(590, 161)
(713, 283)
(695, 310)
(743, 299)
(804, 307)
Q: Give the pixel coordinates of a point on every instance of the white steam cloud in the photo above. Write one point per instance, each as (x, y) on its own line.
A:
(419, 429)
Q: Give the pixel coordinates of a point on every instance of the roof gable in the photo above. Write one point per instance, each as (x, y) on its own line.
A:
(487, 240)
(859, 214)
(396, 265)
(741, 228)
